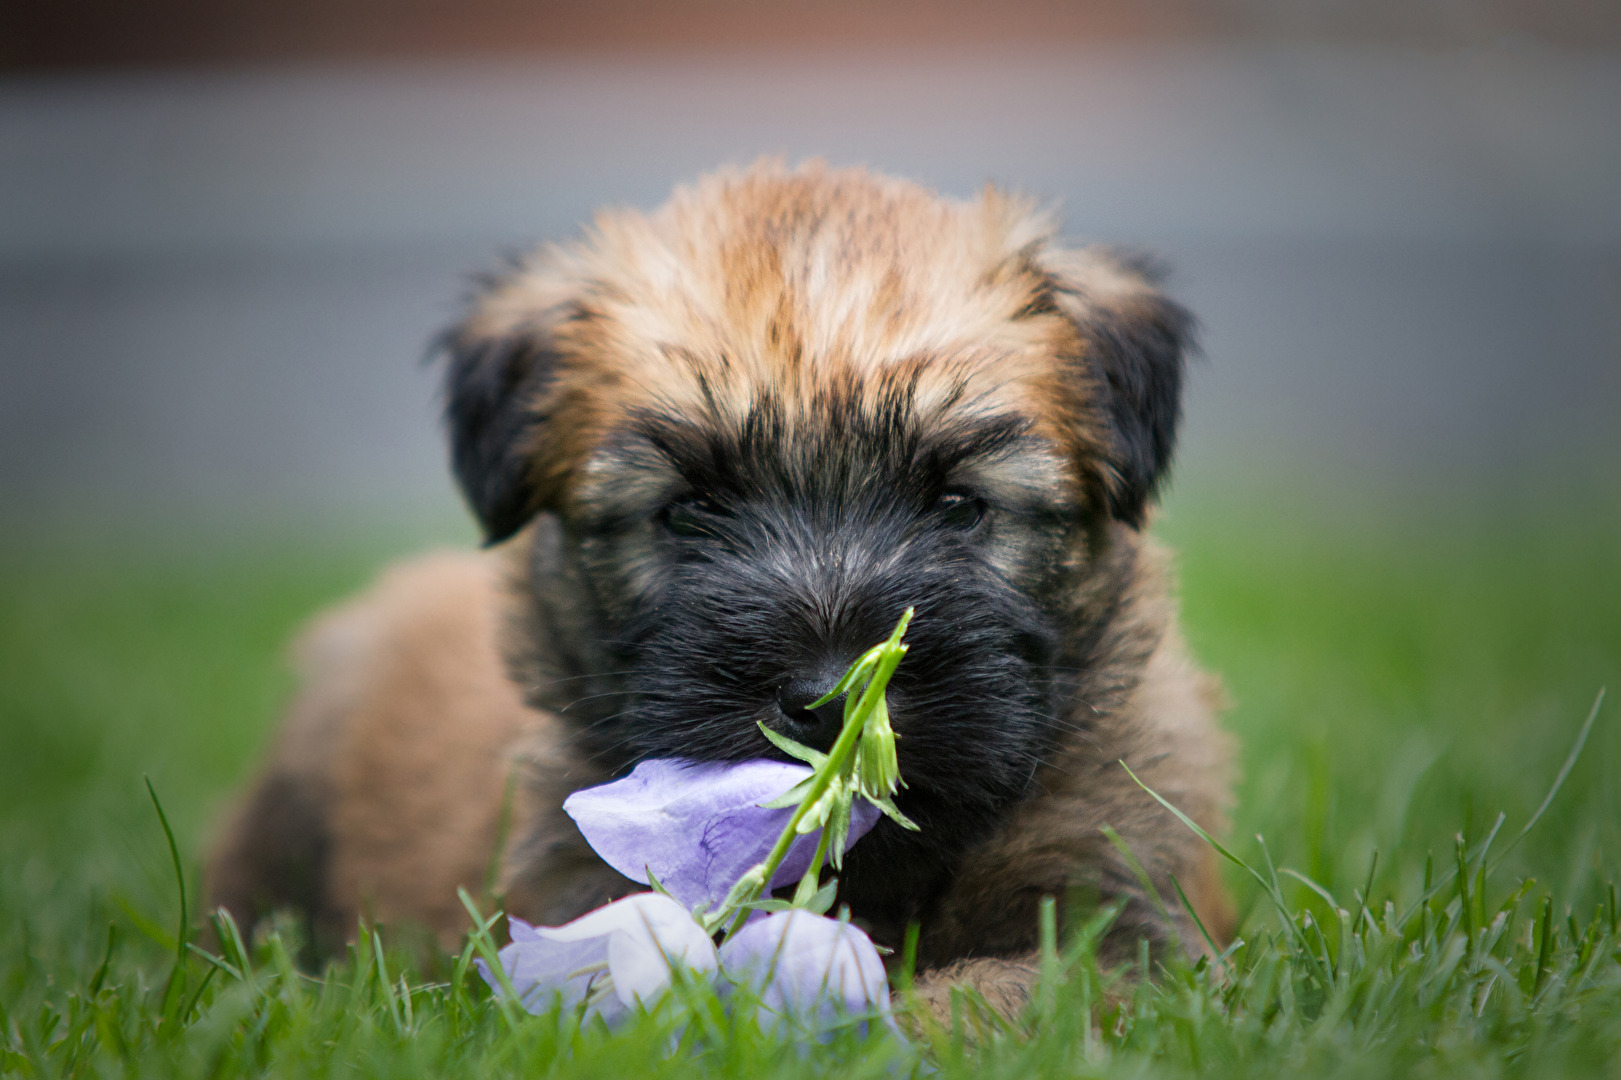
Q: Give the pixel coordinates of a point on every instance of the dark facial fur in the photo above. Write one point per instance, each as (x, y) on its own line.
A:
(756, 558)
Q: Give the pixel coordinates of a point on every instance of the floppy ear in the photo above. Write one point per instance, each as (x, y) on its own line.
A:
(495, 390)
(1134, 342)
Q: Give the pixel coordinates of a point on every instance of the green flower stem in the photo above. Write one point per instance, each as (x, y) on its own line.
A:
(882, 661)
(820, 782)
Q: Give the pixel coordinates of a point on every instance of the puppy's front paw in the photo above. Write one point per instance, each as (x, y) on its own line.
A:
(1005, 985)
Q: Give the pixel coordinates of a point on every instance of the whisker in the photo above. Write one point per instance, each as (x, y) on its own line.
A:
(591, 675)
(594, 697)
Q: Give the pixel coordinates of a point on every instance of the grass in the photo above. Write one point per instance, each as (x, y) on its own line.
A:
(1397, 684)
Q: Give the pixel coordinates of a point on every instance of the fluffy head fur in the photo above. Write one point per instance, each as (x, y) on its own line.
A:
(803, 285)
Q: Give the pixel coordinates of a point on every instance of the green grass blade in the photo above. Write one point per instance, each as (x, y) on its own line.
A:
(1187, 906)
(1559, 780)
(183, 933)
(1141, 874)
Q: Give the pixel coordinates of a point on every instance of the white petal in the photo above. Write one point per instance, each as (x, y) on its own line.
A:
(640, 970)
(638, 937)
(807, 968)
(542, 970)
(636, 912)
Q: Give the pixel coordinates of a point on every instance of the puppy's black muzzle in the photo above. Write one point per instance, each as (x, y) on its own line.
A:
(819, 726)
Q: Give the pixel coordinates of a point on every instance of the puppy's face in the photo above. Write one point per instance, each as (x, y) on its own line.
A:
(759, 425)
(750, 559)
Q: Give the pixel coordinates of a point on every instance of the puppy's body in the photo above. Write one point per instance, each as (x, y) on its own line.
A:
(729, 443)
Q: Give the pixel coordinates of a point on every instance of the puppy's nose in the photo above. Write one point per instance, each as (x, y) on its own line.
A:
(818, 727)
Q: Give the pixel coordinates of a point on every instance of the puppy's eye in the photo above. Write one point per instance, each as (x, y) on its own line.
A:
(961, 509)
(695, 515)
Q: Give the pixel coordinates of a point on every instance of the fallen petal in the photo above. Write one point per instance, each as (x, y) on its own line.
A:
(633, 941)
(810, 972)
(543, 972)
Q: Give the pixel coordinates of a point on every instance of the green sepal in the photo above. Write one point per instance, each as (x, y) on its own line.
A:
(813, 758)
(891, 812)
(752, 882)
(820, 901)
(877, 769)
(768, 904)
(857, 671)
(817, 813)
(803, 891)
(655, 884)
(839, 832)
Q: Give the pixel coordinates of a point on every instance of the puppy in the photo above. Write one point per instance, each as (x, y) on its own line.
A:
(716, 450)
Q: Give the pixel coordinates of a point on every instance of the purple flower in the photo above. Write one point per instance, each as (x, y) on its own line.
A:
(612, 959)
(810, 971)
(699, 828)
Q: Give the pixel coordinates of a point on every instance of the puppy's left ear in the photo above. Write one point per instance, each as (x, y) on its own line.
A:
(1134, 344)
(493, 389)
(500, 365)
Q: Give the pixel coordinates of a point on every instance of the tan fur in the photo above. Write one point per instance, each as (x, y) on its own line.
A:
(793, 280)
(407, 729)
(765, 279)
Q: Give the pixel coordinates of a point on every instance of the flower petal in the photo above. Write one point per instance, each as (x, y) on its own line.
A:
(542, 970)
(698, 827)
(646, 914)
(809, 971)
(637, 939)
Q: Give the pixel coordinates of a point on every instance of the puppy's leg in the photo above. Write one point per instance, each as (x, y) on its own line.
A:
(1004, 983)
(274, 850)
(384, 788)
(272, 854)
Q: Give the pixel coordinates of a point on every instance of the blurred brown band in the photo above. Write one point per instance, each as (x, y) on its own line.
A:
(58, 35)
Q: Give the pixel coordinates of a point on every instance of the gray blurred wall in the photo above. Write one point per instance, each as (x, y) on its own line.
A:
(216, 288)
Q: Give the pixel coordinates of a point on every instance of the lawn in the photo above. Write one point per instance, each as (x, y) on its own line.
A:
(1398, 680)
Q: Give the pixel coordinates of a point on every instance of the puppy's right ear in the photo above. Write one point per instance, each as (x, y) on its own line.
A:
(1135, 340)
(495, 394)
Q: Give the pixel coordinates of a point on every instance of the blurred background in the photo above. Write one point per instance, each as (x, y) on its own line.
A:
(228, 232)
